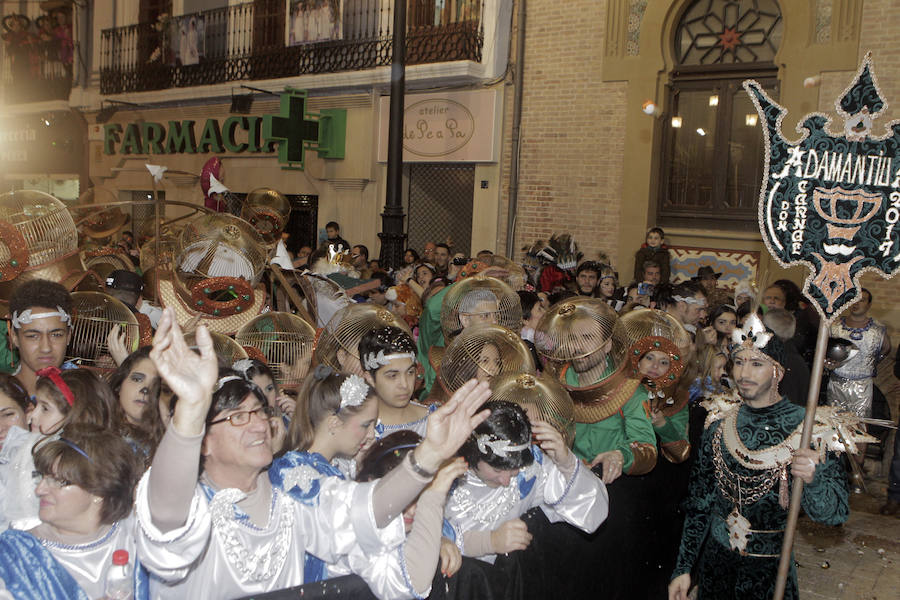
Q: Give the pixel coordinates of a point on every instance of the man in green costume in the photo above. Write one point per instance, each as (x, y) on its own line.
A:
(613, 433)
(738, 497)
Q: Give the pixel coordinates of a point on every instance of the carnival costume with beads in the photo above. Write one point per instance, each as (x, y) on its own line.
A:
(851, 385)
(574, 496)
(301, 476)
(738, 496)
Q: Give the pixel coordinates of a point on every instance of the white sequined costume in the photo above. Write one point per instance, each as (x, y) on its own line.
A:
(89, 562)
(579, 498)
(850, 385)
(18, 503)
(219, 549)
(385, 572)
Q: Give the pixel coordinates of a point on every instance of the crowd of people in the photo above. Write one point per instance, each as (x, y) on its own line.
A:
(180, 474)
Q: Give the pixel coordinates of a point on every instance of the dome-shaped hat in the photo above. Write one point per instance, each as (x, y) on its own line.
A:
(583, 334)
(285, 342)
(94, 314)
(267, 210)
(38, 240)
(479, 299)
(541, 396)
(482, 352)
(338, 343)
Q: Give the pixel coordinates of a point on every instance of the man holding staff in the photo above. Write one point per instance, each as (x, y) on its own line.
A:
(738, 497)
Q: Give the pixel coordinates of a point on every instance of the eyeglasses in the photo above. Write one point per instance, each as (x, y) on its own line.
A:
(241, 418)
(52, 480)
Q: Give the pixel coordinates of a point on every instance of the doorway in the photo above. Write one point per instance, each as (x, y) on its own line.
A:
(440, 205)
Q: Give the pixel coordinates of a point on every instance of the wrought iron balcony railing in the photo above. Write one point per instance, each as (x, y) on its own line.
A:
(276, 39)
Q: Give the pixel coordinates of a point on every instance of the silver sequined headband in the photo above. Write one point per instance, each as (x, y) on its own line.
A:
(372, 361)
(501, 448)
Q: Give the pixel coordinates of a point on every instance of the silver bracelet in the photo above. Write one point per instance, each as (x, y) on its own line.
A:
(417, 468)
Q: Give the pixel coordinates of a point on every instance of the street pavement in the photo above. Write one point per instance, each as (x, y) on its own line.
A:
(857, 561)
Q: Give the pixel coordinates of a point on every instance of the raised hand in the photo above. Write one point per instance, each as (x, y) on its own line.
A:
(448, 474)
(552, 444)
(190, 376)
(510, 536)
(451, 424)
(115, 341)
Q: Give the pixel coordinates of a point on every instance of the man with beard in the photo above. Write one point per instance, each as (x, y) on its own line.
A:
(738, 497)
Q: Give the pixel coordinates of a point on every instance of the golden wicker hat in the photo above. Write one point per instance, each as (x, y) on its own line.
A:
(479, 299)
(38, 240)
(267, 210)
(218, 262)
(103, 261)
(219, 245)
(576, 333)
(225, 323)
(482, 352)
(98, 223)
(338, 344)
(94, 314)
(285, 342)
(515, 273)
(228, 350)
(164, 256)
(649, 330)
(541, 397)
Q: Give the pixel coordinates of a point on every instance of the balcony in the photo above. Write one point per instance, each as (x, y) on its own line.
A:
(266, 40)
(36, 59)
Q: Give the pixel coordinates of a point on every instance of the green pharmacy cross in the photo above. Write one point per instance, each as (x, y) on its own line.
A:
(296, 131)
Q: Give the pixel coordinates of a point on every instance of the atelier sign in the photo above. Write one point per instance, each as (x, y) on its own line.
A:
(447, 127)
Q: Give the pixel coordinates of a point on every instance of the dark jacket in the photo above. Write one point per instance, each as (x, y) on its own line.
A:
(795, 384)
(658, 255)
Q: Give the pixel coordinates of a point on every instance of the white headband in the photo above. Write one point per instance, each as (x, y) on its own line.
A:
(690, 300)
(353, 392)
(225, 380)
(372, 361)
(501, 448)
(26, 317)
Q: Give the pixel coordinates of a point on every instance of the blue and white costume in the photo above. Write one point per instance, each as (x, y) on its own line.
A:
(578, 498)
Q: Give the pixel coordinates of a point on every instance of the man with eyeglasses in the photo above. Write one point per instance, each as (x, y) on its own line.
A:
(209, 516)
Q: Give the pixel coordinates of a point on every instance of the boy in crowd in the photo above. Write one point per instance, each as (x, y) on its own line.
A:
(654, 250)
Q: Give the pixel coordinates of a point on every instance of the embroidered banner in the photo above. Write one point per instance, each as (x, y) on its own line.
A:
(832, 202)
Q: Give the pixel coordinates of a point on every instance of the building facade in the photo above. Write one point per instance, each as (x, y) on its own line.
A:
(596, 150)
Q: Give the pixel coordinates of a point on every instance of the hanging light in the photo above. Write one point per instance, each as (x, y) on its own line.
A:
(676, 122)
(751, 120)
(714, 100)
(701, 131)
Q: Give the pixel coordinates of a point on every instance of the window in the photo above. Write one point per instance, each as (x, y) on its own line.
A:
(712, 157)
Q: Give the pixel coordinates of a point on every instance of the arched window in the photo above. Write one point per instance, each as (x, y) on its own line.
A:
(712, 155)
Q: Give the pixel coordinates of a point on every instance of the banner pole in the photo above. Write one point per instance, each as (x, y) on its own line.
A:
(812, 401)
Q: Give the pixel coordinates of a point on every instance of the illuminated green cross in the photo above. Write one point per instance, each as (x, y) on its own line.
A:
(291, 129)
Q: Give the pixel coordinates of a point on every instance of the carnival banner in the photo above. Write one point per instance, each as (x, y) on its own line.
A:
(832, 201)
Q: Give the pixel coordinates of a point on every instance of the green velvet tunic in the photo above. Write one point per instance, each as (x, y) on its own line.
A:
(719, 571)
